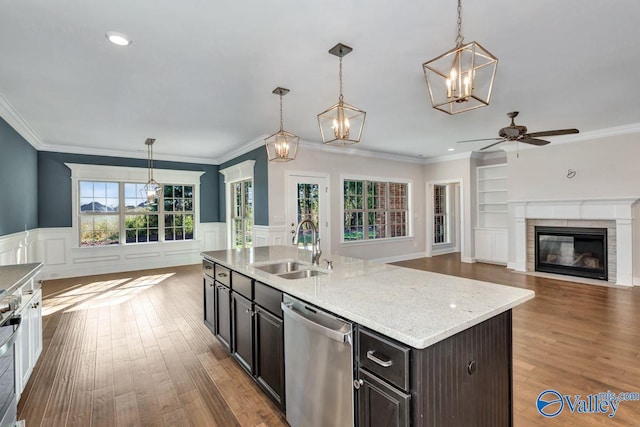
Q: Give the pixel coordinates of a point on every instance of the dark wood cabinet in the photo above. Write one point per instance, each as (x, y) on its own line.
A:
(380, 404)
(222, 304)
(209, 293)
(269, 351)
(246, 317)
(242, 330)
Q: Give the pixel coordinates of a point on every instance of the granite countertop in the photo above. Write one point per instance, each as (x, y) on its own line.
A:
(14, 276)
(418, 308)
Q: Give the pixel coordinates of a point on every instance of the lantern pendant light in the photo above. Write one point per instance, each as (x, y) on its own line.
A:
(282, 146)
(341, 124)
(151, 190)
(462, 78)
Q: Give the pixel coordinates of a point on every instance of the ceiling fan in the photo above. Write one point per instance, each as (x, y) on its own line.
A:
(519, 133)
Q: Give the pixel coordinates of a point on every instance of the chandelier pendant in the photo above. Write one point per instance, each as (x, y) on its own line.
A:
(282, 146)
(342, 123)
(462, 78)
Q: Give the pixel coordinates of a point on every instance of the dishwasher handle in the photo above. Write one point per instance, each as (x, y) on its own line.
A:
(336, 335)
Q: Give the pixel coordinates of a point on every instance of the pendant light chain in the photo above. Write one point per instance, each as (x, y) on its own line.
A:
(459, 39)
(150, 162)
(281, 125)
(340, 98)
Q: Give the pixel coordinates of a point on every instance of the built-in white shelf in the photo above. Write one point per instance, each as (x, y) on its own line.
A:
(493, 214)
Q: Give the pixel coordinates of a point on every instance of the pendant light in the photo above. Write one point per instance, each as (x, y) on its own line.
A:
(341, 124)
(151, 190)
(282, 146)
(462, 78)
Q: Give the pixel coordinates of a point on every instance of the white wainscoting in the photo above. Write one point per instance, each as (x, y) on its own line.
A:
(57, 248)
(265, 235)
(19, 248)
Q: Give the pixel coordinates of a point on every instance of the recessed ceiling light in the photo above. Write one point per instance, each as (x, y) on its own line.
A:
(118, 38)
(451, 149)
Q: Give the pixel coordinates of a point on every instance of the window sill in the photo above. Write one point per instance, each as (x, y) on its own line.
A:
(139, 245)
(375, 241)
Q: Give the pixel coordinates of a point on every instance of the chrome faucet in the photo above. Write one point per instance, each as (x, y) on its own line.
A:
(315, 244)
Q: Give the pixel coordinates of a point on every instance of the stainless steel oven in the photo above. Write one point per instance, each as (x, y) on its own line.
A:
(9, 328)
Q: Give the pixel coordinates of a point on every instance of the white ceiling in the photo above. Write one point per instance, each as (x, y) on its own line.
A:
(199, 74)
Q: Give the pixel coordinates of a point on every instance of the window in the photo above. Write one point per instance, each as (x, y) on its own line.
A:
(99, 213)
(440, 225)
(178, 212)
(375, 210)
(102, 222)
(242, 213)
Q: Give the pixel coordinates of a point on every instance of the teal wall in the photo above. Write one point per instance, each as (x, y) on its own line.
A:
(39, 194)
(18, 182)
(260, 185)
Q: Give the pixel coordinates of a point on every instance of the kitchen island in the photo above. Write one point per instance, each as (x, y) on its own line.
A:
(452, 336)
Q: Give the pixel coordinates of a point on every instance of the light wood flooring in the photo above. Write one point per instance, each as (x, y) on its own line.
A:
(131, 349)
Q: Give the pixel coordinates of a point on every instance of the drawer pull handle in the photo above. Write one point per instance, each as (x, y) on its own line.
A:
(373, 356)
(222, 274)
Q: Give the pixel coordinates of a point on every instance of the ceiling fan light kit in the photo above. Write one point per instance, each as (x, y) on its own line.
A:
(341, 124)
(282, 146)
(462, 78)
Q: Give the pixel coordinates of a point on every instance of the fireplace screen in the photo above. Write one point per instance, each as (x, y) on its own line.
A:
(574, 251)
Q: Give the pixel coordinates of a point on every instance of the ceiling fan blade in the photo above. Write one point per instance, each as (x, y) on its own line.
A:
(491, 145)
(483, 139)
(533, 141)
(553, 132)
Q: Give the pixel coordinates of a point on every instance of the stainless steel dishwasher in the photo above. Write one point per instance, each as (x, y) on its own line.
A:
(318, 358)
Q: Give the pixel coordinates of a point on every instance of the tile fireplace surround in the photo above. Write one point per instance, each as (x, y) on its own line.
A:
(613, 214)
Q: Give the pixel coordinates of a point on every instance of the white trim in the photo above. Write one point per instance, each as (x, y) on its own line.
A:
(274, 235)
(242, 171)
(243, 149)
(19, 124)
(350, 243)
(619, 209)
(429, 217)
(130, 174)
(353, 177)
(325, 207)
(397, 258)
(238, 172)
(350, 150)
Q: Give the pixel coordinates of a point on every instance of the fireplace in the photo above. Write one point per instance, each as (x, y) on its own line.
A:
(574, 251)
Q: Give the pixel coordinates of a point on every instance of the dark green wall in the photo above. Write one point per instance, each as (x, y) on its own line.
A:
(54, 184)
(260, 185)
(18, 182)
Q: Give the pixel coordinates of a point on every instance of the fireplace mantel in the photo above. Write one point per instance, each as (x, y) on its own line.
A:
(619, 210)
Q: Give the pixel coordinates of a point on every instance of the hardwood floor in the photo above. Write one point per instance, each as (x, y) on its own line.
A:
(131, 349)
(574, 338)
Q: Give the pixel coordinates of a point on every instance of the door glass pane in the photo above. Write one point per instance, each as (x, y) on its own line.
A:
(308, 208)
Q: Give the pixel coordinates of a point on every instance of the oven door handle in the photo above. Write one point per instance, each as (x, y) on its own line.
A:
(15, 320)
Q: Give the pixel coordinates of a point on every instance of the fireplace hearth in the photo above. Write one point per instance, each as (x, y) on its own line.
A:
(574, 251)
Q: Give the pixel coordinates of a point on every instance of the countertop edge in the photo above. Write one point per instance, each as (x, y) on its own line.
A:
(382, 329)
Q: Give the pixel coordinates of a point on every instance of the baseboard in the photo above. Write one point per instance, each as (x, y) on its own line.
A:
(468, 260)
(397, 258)
(636, 281)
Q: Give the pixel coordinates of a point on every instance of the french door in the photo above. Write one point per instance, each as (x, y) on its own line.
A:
(308, 198)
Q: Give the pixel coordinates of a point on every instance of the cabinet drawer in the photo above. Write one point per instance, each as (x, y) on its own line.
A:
(223, 275)
(242, 285)
(268, 298)
(387, 359)
(207, 268)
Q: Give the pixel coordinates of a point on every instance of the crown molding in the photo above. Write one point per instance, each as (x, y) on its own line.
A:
(138, 154)
(349, 149)
(239, 151)
(20, 125)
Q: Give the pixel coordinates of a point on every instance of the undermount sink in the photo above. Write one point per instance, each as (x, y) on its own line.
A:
(281, 267)
(302, 274)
